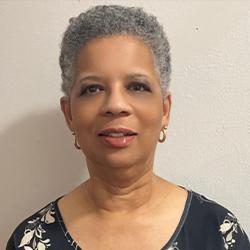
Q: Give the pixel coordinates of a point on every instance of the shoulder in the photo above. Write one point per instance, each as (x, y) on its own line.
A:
(209, 218)
(205, 207)
(32, 230)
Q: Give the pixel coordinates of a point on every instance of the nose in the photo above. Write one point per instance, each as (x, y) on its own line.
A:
(115, 102)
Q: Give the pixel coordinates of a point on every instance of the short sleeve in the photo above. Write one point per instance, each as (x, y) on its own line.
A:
(243, 242)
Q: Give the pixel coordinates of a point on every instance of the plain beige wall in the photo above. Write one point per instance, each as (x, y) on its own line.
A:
(208, 142)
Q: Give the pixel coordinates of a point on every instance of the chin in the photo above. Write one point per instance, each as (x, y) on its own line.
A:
(118, 161)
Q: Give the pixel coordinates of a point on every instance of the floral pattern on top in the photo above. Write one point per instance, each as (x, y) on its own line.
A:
(33, 238)
(46, 230)
(228, 229)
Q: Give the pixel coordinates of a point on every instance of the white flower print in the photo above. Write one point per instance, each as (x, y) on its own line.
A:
(33, 233)
(228, 228)
(173, 246)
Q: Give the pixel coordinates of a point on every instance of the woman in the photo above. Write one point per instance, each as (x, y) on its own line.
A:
(115, 66)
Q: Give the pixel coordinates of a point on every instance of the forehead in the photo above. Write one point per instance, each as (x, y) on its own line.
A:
(119, 53)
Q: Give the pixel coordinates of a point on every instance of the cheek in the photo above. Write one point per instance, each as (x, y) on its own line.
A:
(84, 119)
(151, 119)
(83, 116)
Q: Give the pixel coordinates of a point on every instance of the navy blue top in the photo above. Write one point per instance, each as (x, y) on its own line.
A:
(204, 225)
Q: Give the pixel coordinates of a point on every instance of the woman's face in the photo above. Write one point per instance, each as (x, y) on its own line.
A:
(121, 91)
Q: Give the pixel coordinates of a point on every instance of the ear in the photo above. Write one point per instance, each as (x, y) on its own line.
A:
(167, 101)
(65, 107)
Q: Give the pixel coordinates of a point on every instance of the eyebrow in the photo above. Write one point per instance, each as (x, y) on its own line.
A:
(97, 78)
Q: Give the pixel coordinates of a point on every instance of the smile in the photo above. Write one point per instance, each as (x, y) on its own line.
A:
(118, 137)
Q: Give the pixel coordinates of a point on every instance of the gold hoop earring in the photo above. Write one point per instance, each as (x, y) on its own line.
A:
(75, 143)
(164, 135)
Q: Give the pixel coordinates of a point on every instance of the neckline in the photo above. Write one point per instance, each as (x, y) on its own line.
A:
(168, 244)
(182, 220)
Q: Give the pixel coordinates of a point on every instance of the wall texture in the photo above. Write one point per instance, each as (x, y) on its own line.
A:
(209, 134)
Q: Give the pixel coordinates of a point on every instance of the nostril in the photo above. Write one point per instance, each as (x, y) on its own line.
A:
(112, 113)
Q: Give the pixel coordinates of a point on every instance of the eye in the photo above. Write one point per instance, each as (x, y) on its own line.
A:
(139, 87)
(91, 89)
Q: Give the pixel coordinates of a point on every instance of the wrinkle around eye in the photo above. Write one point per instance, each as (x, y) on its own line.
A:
(84, 89)
(143, 88)
(144, 85)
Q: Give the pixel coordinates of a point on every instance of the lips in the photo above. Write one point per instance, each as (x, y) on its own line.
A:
(124, 131)
(117, 137)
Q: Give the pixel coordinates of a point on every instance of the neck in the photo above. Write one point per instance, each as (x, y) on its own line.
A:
(123, 196)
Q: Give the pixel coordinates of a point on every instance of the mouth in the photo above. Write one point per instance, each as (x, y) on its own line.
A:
(117, 132)
(117, 137)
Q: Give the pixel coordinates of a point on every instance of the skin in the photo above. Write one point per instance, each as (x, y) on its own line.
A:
(122, 186)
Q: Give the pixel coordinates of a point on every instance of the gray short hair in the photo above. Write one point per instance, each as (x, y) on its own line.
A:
(108, 20)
